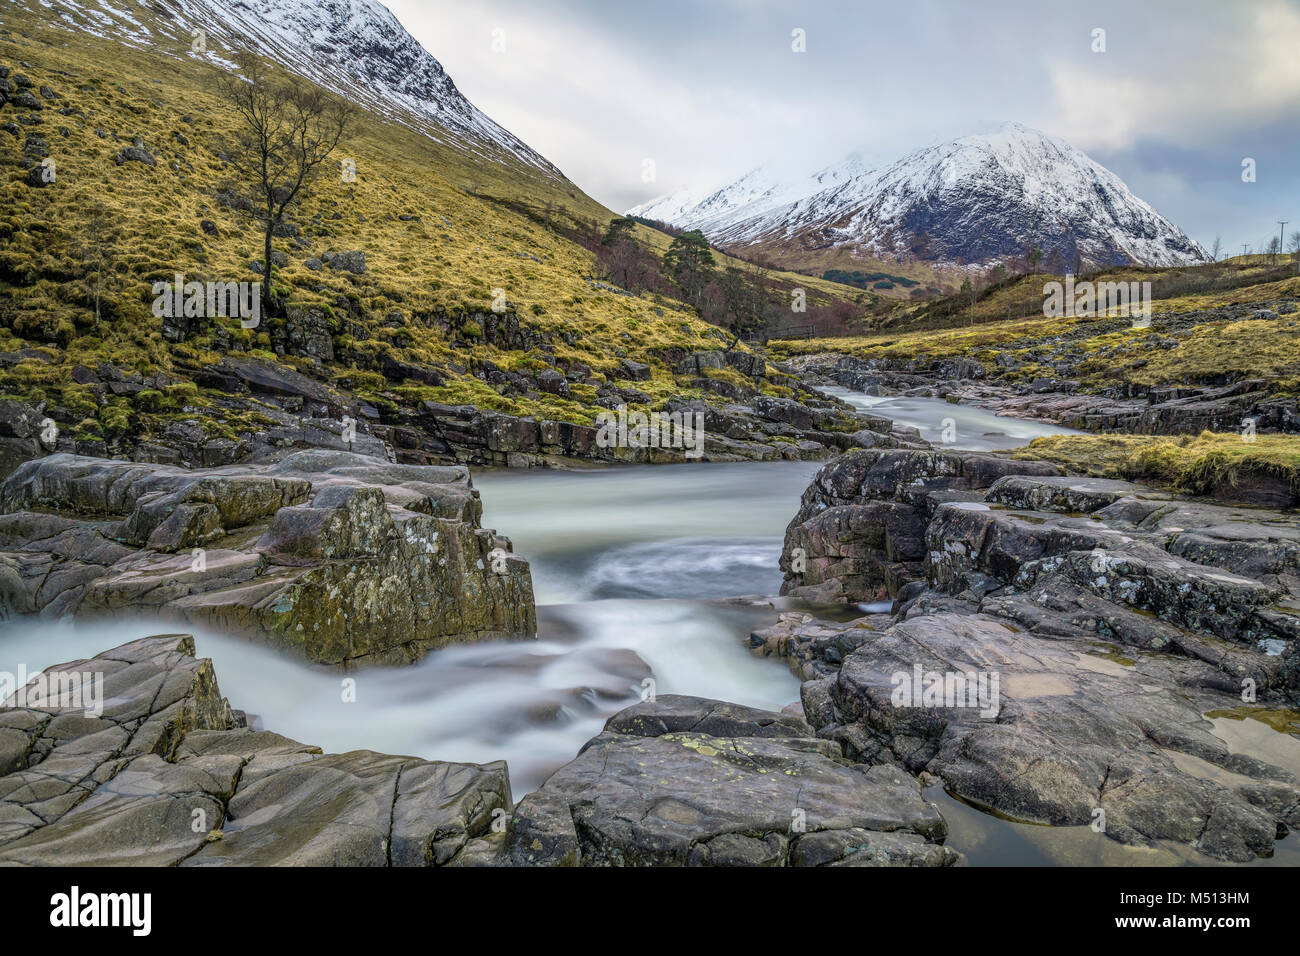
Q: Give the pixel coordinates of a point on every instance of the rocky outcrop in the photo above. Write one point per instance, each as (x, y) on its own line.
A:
(343, 558)
(22, 430)
(282, 408)
(146, 762)
(763, 429)
(859, 534)
(1064, 732)
(1058, 646)
(167, 774)
(683, 781)
(1076, 555)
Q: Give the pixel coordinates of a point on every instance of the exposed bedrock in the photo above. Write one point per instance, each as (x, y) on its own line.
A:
(166, 774)
(683, 781)
(1066, 731)
(1110, 624)
(859, 534)
(343, 558)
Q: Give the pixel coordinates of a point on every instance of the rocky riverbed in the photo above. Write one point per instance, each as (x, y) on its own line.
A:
(1065, 389)
(966, 627)
(1110, 622)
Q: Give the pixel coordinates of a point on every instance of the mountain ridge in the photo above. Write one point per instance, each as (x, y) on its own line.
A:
(357, 48)
(976, 200)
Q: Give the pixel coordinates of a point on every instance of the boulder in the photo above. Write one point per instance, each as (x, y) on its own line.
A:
(634, 371)
(353, 261)
(690, 782)
(344, 558)
(134, 154)
(859, 532)
(167, 774)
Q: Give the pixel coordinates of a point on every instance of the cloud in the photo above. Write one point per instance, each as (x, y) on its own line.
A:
(1220, 79)
(709, 90)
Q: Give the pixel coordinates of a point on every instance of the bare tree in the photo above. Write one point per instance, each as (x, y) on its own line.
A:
(1217, 249)
(289, 129)
(100, 232)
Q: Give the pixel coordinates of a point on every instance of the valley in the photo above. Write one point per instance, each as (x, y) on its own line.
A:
(413, 507)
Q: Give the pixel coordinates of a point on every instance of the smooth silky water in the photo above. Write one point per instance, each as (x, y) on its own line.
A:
(967, 427)
(632, 568)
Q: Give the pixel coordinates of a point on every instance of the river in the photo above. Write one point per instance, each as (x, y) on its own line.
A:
(951, 426)
(632, 569)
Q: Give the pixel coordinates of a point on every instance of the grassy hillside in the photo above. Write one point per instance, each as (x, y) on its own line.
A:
(795, 255)
(1210, 463)
(441, 231)
(1215, 342)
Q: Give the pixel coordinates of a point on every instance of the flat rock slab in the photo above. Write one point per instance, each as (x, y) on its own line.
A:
(656, 789)
(1062, 733)
(166, 775)
(1060, 494)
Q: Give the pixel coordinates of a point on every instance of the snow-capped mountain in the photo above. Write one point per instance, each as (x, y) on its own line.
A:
(975, 200)
(759, 191)
(356, 48)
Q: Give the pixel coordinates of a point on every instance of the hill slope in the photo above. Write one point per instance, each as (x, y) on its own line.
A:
(355, 48)
(445, 277)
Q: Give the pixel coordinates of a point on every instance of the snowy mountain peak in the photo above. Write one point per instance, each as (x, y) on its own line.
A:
(978, 199)
(356, 48)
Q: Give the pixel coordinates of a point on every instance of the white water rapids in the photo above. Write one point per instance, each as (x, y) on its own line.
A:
(628, 566)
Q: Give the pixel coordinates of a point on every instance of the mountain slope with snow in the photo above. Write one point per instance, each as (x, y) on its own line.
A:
(356, 48)
(975, 200)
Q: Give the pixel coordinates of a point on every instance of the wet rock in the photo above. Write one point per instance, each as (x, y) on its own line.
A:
(1062, 737)
(658, 788)
(167, 774)
(344, 558)
(1113, 619)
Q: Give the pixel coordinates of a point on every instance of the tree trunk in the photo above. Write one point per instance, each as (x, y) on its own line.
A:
(267, 288)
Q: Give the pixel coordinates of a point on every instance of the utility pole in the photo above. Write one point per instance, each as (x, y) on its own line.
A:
(1281, 237)
(1243, 252)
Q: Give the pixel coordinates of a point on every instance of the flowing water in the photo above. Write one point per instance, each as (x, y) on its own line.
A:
(628, 564)
(953, 426)
(632, 567)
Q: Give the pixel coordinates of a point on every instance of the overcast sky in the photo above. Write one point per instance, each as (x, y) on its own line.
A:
(707, 89)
